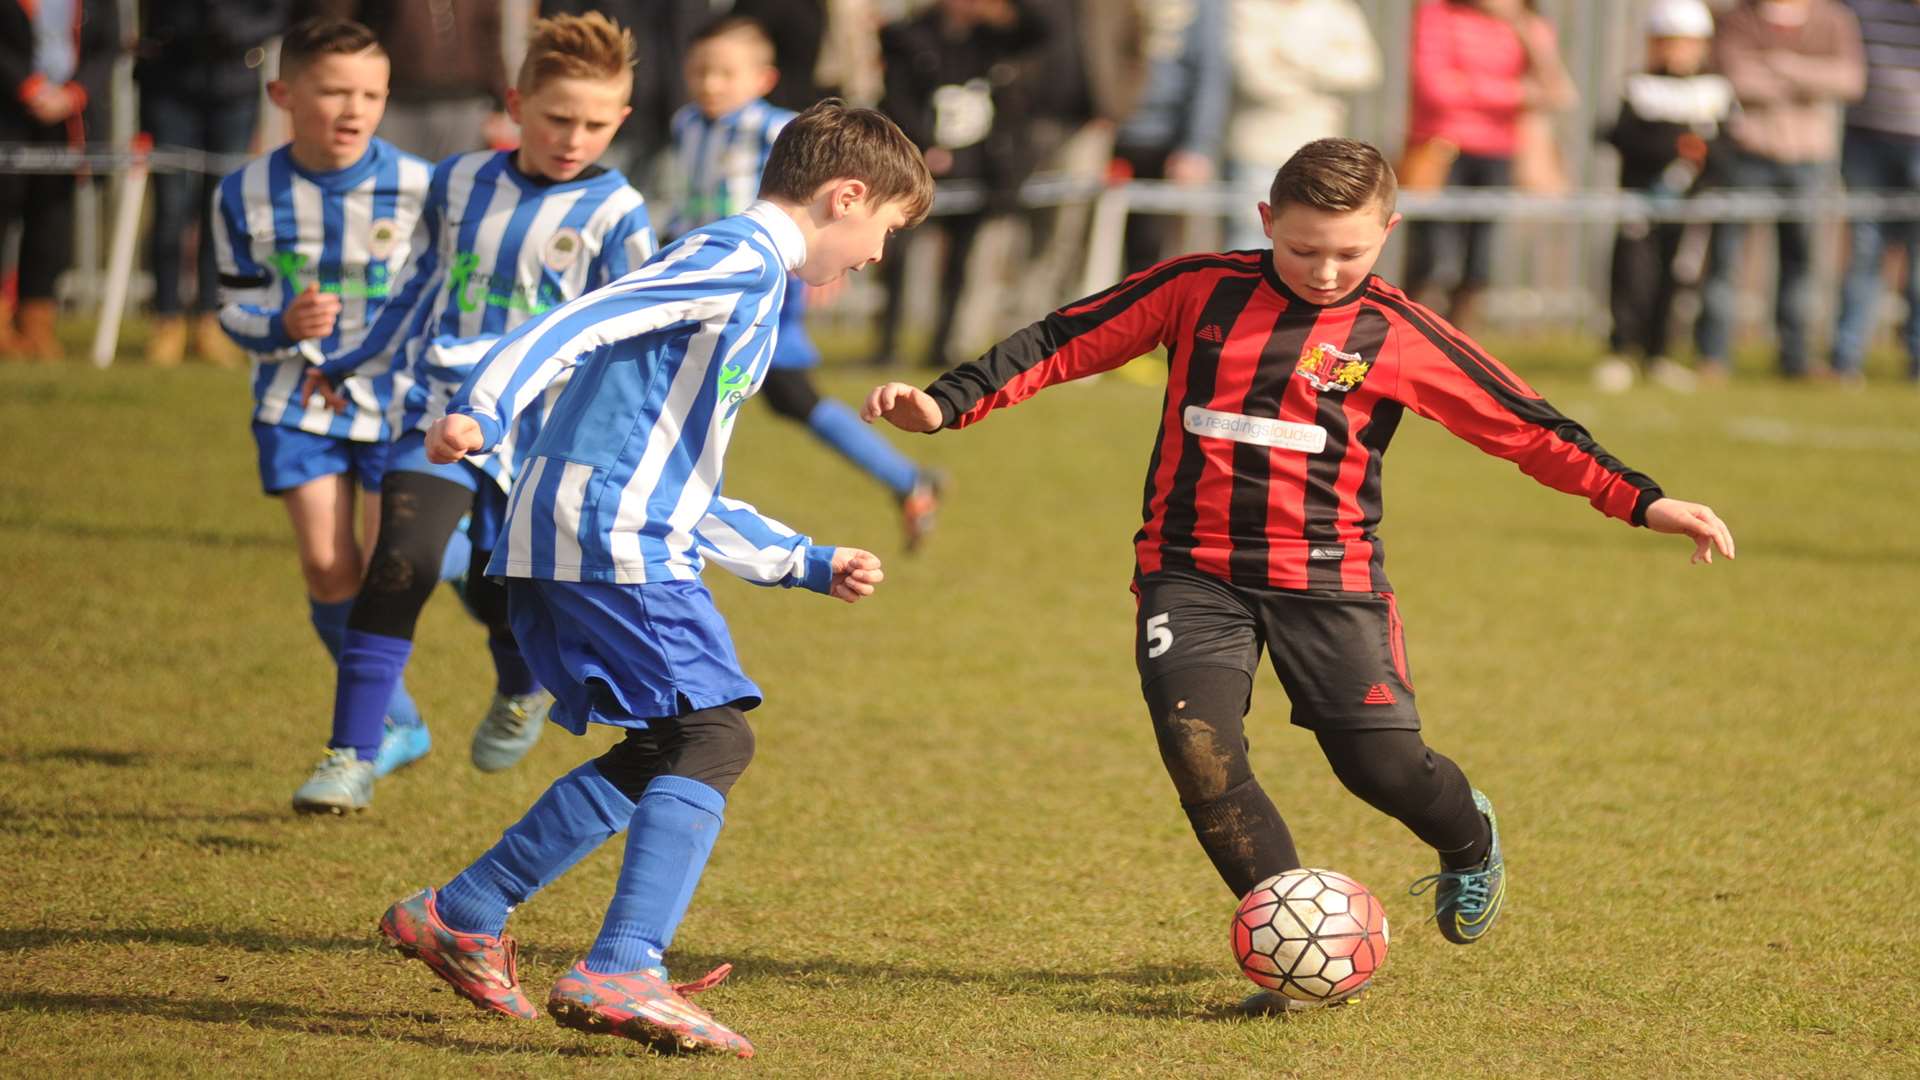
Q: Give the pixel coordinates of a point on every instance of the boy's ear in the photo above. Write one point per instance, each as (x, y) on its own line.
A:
(769, 79)
(513, 104)
(843, 196)
(1391, 222)
(1266, 220)
(277, 93)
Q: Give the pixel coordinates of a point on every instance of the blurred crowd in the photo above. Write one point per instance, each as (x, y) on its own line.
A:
(1792, 96)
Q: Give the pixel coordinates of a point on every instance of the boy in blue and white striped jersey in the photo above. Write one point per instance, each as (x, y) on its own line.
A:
(505, 236)
(613, 514)
(308, 240)
(721, 138)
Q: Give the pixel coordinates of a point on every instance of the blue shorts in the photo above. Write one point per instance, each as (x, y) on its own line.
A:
(290, 457)
(489, 516)
(625, 654)
(793, 348)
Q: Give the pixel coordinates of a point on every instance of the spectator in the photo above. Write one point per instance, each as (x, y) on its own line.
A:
(449, 87)
(1292, 59)
(952, 87)
(56, 58)
(1175, 132)
(661, 29)
(1792, 63)
(198, 68)
(1881, 151)
(1670, 116)
(1478, 67)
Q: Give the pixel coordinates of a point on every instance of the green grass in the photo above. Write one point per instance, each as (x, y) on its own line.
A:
(956, 853)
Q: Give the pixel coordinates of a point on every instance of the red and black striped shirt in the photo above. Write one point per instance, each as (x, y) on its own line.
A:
(1241, 485)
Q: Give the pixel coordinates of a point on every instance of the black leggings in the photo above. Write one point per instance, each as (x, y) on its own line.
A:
(1198, 716)
(418, 513)
(712, 746)
(790, 392)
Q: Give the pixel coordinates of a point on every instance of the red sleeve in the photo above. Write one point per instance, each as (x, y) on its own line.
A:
(1445, 377)
(1096, 334)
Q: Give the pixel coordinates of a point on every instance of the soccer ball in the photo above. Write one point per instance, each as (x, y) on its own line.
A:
(1313, 935)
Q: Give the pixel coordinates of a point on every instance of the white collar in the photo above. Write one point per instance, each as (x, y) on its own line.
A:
(787, 238)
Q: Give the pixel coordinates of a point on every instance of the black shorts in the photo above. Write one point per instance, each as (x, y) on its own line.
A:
(1340, 655)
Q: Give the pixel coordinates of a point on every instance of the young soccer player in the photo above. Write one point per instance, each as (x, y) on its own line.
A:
(611, 519)
(506, 235)
(1288, 371)
(721, 139)
(309, 240)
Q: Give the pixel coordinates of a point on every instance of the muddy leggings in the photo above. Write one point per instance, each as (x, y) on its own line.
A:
(1198, 720)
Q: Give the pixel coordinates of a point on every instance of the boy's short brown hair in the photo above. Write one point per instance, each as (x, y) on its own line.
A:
(1339, 175)
(324, 35)
(833, 142)
(589, 46)
(744, 26)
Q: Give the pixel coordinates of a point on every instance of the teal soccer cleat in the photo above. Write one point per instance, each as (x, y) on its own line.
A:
(510, 728)
(401, 745)
(340, 784)
(1466, 903)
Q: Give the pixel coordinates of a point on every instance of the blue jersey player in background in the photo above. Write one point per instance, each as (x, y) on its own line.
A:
(309, 240)
(721, 139)
(506, 236)
(615, 510)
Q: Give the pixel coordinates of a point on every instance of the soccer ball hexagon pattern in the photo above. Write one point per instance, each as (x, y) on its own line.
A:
(1313, 935)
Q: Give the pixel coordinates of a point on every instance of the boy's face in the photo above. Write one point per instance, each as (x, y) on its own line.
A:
(1678, 55)
(726, 73)
(334, 103)
(855, 237)
(1322, 255)
(566, 123)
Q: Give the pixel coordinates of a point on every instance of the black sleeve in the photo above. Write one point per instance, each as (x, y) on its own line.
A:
(1643, 145)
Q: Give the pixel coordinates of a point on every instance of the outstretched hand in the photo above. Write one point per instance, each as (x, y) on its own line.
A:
(856, 573)
(903, 405)
(1694, 520)
(453, 437)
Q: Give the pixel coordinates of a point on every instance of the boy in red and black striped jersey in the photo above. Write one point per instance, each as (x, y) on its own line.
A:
(1288, 371)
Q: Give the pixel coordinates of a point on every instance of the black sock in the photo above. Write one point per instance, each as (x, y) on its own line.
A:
(1244, 835)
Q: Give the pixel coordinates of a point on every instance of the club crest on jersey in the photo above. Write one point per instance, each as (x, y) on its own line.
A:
(382, 237)
(1326, 368)
(562, 250)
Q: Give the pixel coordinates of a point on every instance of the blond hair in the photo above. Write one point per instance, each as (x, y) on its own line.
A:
(589, 46)
(832, 142)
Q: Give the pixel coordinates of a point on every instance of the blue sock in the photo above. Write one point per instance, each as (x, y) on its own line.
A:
(515, 677)
(840, 427)
(370, 666)
(672, 833)
(575, 815)
(330, 622)
(458, 557)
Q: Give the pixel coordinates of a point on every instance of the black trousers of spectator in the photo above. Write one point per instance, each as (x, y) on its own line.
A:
(960, 230)
(1456, 255)
(1643, 287)
(1147, 235)
(41, 204)
(180, 200)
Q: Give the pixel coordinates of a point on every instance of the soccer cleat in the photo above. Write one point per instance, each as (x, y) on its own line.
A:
(1274, 1003)
(481, 968)
(920, 507)
(340, 784)
(510, 728)
(401, 745)
(1466, 903)
(642, 1006)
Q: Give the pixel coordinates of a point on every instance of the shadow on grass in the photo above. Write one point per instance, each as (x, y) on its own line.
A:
(89, 530)
(299, 1020)
(247, 938)
(78, 755)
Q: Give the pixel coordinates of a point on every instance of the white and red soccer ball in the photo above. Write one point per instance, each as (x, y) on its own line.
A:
(1312, 935)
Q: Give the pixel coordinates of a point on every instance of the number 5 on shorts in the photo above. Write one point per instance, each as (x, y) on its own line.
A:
(1159, 637)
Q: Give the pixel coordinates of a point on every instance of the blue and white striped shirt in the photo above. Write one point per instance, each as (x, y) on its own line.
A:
(496, 249)
(623, 483)
(278, 227)
(720, 161)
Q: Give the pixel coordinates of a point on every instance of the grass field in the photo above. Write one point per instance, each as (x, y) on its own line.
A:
(956, 853)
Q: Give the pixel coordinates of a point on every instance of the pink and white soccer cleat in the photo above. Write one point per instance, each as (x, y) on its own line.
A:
(642, 1006)
(482, 969)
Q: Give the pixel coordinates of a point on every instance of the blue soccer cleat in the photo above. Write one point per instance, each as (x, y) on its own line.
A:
(340, 784)
(510, 728)
(1466, 903)
(401, 745)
